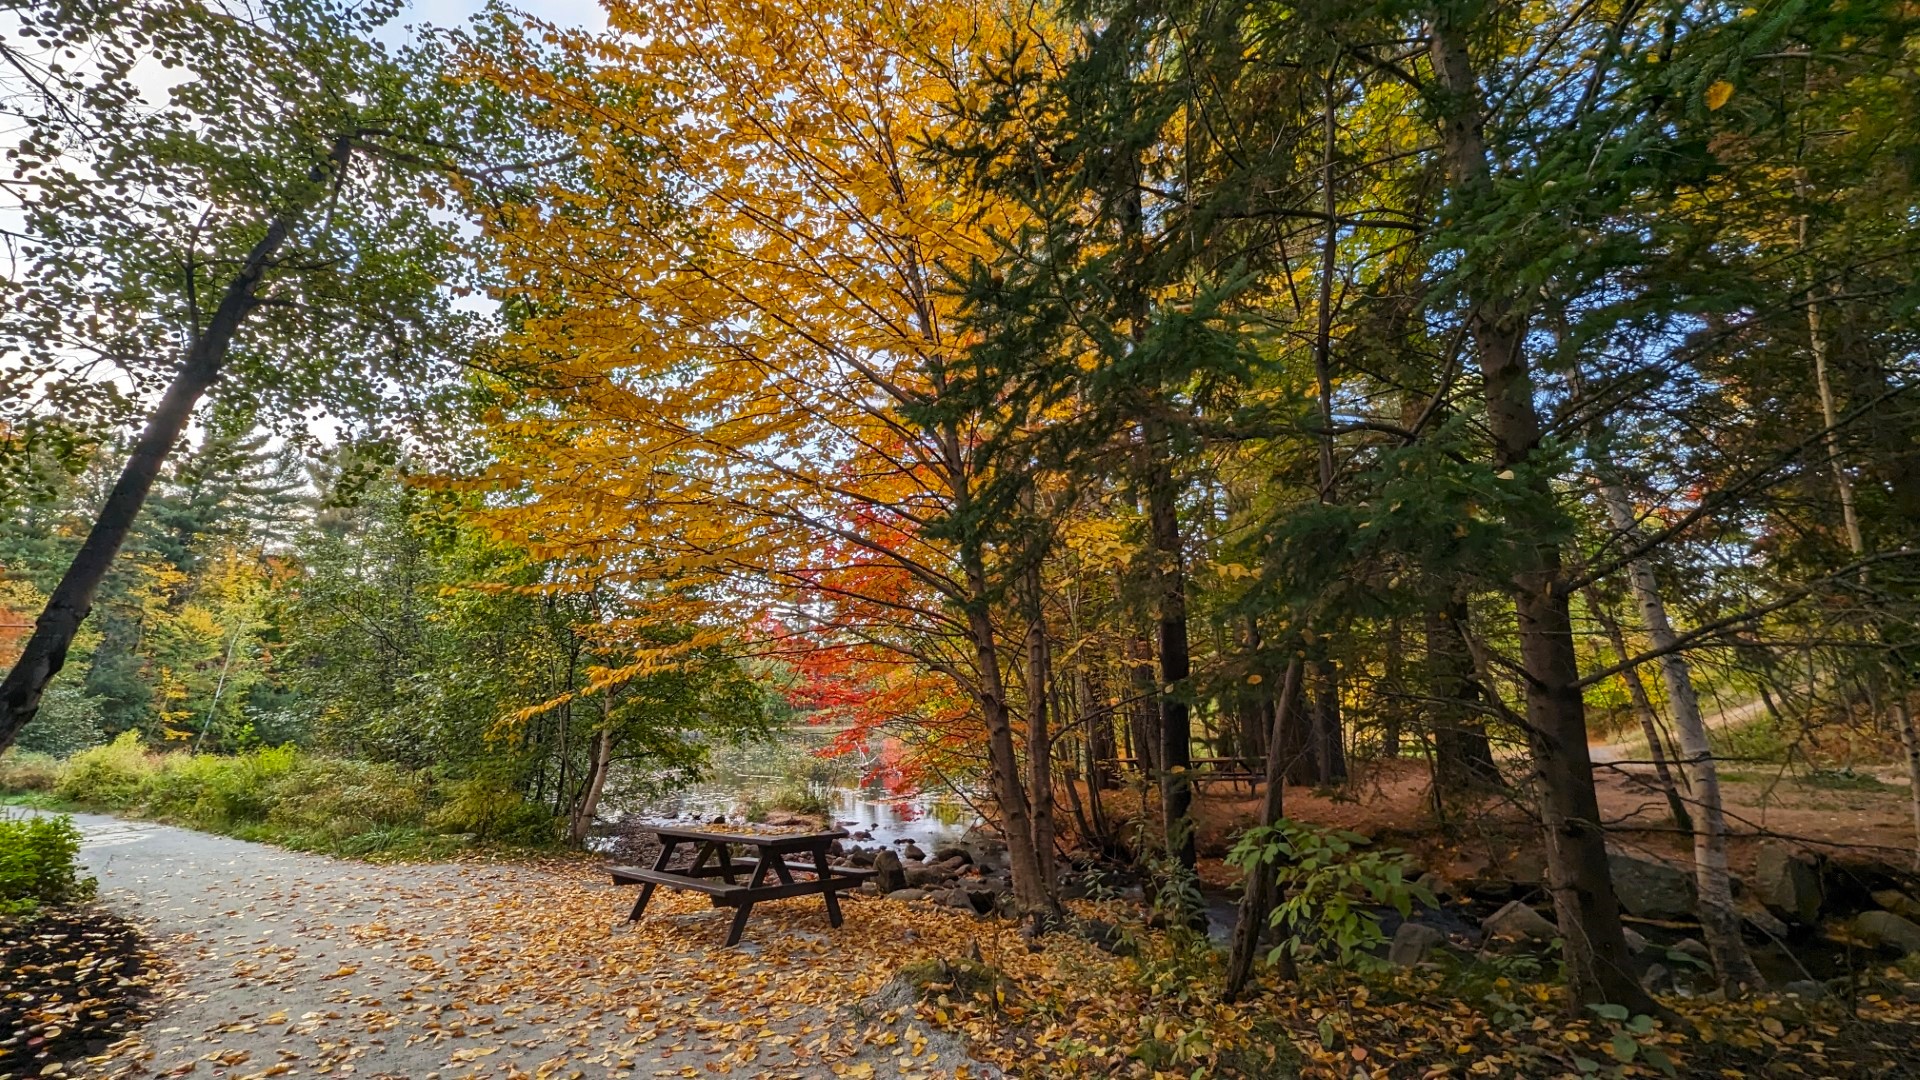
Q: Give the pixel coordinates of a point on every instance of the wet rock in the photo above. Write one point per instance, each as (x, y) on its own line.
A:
(863, 834)
(1765, 922)
(921, 877)
(888, 873)
(1788, 883)
(1692, 947)
(1887, 930)
(1656, 979)
(1805, 988)
(912, 851)
(1651, 888)
(1898, 902)
(953, 898)
(950, 853)
(836, 849)
(1413, 943)
(1518, 922)
(907, 894)
(861, 856)
(1636, 942)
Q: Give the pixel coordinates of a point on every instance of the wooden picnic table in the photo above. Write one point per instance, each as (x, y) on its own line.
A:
(715, 859)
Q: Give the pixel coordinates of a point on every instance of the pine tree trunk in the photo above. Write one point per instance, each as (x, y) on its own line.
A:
(1170, 581)
(1462, 754)
(1257, 891)
(1599, 968)
(1039, 735)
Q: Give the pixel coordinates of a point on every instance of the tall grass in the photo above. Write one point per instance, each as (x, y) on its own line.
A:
(282, 795)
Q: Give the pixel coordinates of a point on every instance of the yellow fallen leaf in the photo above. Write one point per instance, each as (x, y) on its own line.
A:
(1719, 94)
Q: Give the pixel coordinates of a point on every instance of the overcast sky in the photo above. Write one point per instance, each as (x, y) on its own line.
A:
(455, 12)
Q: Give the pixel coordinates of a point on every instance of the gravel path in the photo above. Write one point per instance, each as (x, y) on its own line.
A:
(287, 964)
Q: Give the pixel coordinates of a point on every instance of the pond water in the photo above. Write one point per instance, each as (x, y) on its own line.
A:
(797, 761)
(924, 818)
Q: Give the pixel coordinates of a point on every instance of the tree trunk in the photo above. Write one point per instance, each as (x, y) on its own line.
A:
(72, 600)
(1329, 745)
(582, 822)
(1039, 734)
(1599, 968)
(1256, 896)
(1719, 919)
(1170, 580)
(1462, 755)
(1643, 708)
(1396, 691)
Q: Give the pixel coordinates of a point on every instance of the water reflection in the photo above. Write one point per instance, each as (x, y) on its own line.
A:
(926, 819)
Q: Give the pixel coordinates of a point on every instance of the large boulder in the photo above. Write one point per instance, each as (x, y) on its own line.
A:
(921, 877)
(888, 873)
(1413, 943)
(1897, 902)
(1651, 888)
(1887, 930)
(1518, 922)
(1788, 883)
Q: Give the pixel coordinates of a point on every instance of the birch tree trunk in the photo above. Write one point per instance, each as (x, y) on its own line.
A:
(1719, 920)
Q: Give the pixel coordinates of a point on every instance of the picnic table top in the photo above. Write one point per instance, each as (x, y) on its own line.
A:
(761, 840)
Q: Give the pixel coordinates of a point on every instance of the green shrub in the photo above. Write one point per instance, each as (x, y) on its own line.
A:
(23, 771)
(334, 798)
(1332, 888)
(67, 722)
(107, 776)
(490, 807)
(215, 791)
(36, 863)
(800, 799)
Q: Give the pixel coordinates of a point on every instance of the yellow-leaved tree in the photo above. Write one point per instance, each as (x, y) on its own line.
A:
(730, 314)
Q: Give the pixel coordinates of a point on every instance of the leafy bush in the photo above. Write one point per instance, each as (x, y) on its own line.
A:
(68, 722)
(215, 792)
(487, 806)
(1331, 889)
(24, 771)
(107, 776)
(36, 863)
(330, 799)
(282, 795)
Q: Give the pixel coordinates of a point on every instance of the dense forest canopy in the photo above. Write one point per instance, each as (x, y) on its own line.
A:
(1036, 387)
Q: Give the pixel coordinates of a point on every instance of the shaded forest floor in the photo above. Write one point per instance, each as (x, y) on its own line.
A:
(1858, 814)
(276, 963)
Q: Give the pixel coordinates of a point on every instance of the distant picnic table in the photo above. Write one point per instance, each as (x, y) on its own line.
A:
(1208, 769)
(715, 859)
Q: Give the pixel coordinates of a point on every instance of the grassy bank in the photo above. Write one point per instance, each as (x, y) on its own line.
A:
(285, 796)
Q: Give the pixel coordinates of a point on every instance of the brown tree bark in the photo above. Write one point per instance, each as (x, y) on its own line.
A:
(1257, 892)
(1170, 594)
(1599, 968)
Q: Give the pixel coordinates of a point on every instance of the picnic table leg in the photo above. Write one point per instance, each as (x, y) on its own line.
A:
(646, 887)
(726, 864)
(739, 922)
(833, 901)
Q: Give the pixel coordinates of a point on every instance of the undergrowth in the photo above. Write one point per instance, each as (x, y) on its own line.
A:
(285, 796)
